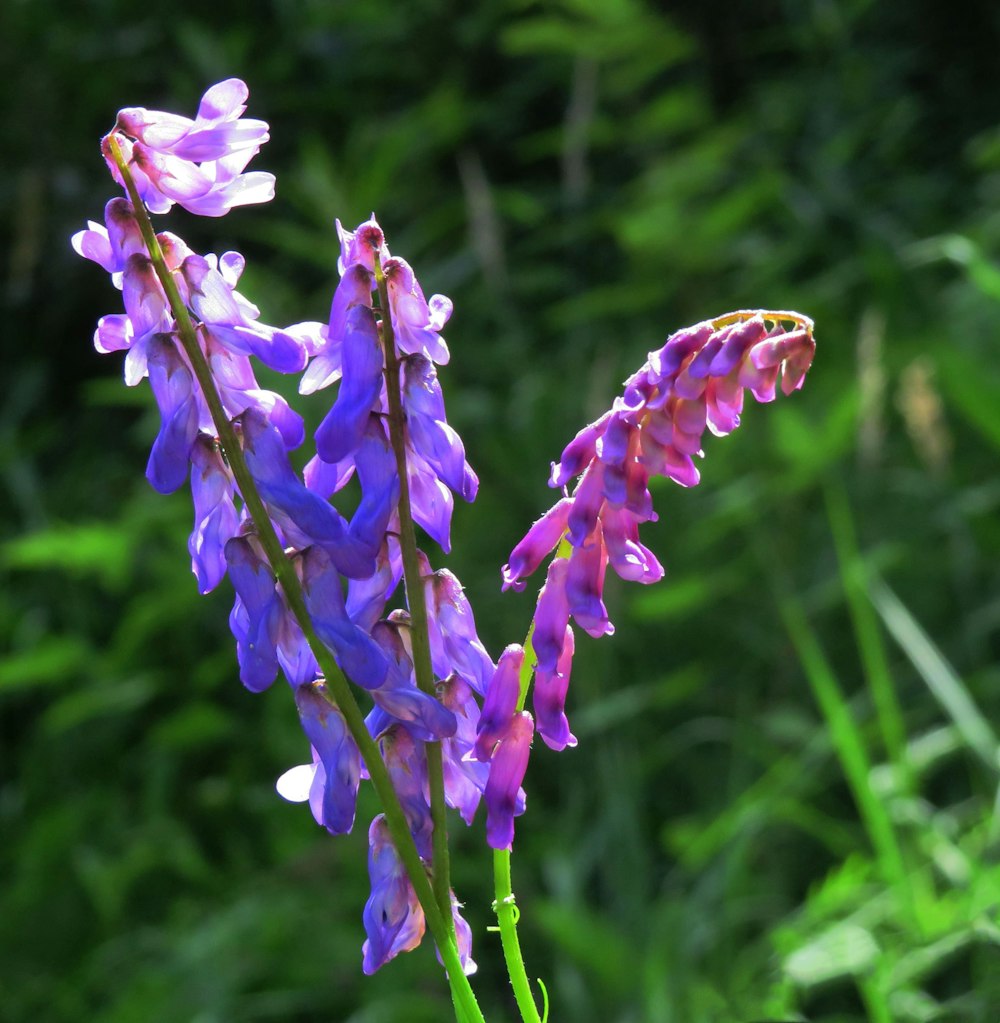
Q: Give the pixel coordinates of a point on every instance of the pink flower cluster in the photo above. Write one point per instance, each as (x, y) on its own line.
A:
(696, 381)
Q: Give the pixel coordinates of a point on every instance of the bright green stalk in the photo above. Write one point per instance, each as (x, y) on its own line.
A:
(440, 926)
(504, 905)
(419, 635)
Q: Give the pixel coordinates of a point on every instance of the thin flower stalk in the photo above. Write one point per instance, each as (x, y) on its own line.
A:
(439, 922)
(415, 601)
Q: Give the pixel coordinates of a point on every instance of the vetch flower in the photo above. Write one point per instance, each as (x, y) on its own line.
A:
(198, 164)
(234, 323)
(504, 796)
(341, 431)
(255, 620)
(549, 697)
(333, 792)
(349, 350)
(500, 704)
(693, 383)
(304, 517)
(173, 388)
(394, 921)
(215, 518)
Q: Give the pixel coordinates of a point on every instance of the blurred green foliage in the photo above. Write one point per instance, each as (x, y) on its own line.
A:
(784, 801)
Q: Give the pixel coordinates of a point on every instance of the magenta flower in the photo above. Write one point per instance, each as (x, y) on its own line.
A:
(549, 698)
(464, 778)
(504, 796)
(500, 704)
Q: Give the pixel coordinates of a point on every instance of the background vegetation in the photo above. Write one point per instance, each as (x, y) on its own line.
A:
(784, 800)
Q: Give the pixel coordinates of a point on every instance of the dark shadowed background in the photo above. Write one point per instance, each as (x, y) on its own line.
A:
(784, 800)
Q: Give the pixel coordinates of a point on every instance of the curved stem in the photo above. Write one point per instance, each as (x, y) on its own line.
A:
(285, 574)
(804, 322)
(440, 867)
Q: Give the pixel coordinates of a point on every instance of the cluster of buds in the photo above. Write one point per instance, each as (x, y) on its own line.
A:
(310, 582)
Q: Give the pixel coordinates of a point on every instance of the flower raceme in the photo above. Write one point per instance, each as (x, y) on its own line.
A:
(299, 567)
(695, 381)
(347, 570)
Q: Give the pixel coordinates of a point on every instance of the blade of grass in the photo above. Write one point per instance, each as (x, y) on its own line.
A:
(871, 648)
(941, 678)
(848, 742)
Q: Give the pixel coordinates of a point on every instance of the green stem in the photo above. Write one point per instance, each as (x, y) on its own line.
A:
(507, 915)
(285, 573)
(504, 905)
(419, 635)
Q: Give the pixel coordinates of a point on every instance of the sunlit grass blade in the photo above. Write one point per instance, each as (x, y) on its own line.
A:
(941, 678)
(847, 741)
(871, 647)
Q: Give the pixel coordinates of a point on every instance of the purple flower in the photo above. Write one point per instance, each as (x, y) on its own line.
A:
(426, 718)
(504, 796)
(464, 778)
(585, 585)
(500, 705)
(341, 431)
(415, 321)
(255, 620)
(360, 245)
(549, 698)
(350, 350)
(334, 789)
(358, 655)
(455, 644)
(304, 517)
(407, 765)
(233, 323)
(551, 616)
(430, 500)
(215, 518)
(173, 388)
(394, 921)
(239, 391)
(429, 433)
(376, 466)
(197, 164)
(463, 938)
(217, 131)
(111, 245)
(366, 598)
(540, 540)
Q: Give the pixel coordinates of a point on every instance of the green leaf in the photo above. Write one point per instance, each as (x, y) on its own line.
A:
(845, 950)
